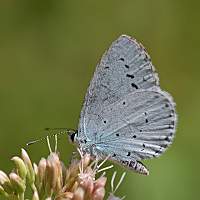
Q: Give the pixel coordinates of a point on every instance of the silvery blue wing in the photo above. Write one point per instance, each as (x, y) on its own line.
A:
(126, 114)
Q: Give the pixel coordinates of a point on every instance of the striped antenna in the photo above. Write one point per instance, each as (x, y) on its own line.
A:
(53, 132)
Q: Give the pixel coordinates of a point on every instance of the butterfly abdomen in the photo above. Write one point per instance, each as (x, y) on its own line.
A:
(136, 166)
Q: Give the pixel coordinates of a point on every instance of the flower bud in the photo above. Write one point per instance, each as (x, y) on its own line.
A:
(74, 186)
(68, 195)
(86, 160)
(29, 167)
(53, 174)
(2, 192)
(21, 167)
(49, 180)
(112, 197)
(79, 194)
(100, 182)
(99, 193)
(35, 196)
(3, 177)
(5, 182)
(64, 170)
(87, 183)
(41, 171)
(35, 168)
(17, 183)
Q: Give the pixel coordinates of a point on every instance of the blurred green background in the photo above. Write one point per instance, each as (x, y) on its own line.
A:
(48, 52)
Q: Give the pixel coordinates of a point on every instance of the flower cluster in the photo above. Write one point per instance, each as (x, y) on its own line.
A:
(52, 180)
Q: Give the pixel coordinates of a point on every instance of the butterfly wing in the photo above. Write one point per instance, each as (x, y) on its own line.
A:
(125, 113)
(140, 126)
(124, 68)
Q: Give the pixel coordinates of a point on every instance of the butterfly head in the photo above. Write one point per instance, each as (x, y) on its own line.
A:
(72, 134)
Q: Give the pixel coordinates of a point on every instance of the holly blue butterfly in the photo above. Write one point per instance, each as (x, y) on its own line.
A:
(126, 115)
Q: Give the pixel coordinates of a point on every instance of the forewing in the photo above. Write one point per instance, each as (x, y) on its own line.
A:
(123, 69)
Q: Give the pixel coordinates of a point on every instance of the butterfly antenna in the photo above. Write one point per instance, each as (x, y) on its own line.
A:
(35, 141)
(58, 132)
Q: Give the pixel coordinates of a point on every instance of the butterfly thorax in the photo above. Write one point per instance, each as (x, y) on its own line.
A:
(86, 145)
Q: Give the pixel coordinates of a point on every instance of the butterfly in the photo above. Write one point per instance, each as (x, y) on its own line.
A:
(126, 115)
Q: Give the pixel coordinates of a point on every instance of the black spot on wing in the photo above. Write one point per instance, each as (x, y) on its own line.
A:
(134, 85)
(127, 66)
(166, 105)
(130, 76)
(167, 139)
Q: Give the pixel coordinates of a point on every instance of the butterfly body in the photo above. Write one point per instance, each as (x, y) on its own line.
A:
(126, 115)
